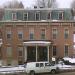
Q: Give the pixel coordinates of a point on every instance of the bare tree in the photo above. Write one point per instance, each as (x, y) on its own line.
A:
(13, 4)
(73, 4)
(46, 3)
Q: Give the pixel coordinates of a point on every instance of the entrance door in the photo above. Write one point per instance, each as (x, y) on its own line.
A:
(31, 53)
(42, 53)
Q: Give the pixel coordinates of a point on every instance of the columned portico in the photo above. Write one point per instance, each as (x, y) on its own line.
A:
(37, 50)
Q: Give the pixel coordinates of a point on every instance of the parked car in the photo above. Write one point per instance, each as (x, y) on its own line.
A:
(40, 67)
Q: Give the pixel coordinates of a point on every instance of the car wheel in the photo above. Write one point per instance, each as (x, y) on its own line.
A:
(32, 73)
(53, 71)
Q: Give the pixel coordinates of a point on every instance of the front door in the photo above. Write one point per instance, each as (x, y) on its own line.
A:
(31, 53)
(42, 53)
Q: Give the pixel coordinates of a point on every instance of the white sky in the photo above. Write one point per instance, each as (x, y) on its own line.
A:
(62, 3)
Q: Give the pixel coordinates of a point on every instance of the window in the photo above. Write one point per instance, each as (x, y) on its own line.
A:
(41, 64)
(43, 34)
(9, 34)
(37, 16)
(66, 33)
(20, 51)
(25, 16)
(66, 50)
(31, 33)
(60, 16)
(49, 15)
(14, 16)
(47, 64)
(74, 37)
(20, 35)
(37, 64)
(54, 33)
(54, 50)
(9, 52)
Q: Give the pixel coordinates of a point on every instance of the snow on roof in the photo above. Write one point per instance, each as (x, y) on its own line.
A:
(37, 42)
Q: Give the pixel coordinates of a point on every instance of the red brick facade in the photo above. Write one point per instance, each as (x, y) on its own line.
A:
(24, 27)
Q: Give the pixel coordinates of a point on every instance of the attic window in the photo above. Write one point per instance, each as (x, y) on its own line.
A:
(60, 16)
(49, 15)
(25, 16)
(14, 17)
(37, 16)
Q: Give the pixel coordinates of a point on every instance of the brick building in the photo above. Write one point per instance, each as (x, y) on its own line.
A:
(36, 35)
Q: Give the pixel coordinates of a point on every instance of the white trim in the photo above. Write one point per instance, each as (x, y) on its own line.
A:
(14, 13)
(37, 43)
(48, 53)
(68, 49)
(24, 16)
(35, 15)
(61, 15)
(25, 53)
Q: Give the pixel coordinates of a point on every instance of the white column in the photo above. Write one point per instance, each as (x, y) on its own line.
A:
(48, 52)
(36, 52)
(25, 54)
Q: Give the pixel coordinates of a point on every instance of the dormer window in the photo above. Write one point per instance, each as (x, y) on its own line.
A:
(49, 15)
(25, 16)
(37, 16)
(14, 16)
(60, 15)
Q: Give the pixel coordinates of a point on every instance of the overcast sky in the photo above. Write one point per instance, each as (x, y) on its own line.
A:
(62, 3)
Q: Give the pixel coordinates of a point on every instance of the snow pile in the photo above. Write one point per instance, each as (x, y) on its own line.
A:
(11, 69)
(71, 60)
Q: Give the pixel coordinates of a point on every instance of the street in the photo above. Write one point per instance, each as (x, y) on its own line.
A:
(66, 73)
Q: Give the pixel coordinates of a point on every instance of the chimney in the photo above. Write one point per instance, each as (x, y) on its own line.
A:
(35, 7)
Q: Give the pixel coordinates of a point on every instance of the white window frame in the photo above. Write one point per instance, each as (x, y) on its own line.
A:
(9, 55)
(20, 32)
(9, 32)
(20, 48)
(44, 33)
(65, 32)
(35, 15)
(64, 50)
(31, 30)
(27, 16)
(60, 13)
(14, 13)
(56, 32)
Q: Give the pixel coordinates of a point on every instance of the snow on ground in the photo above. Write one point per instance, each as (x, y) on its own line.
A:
(71, 60)
(11, 69)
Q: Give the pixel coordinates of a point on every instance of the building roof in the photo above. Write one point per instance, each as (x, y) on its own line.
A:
(43, 12)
